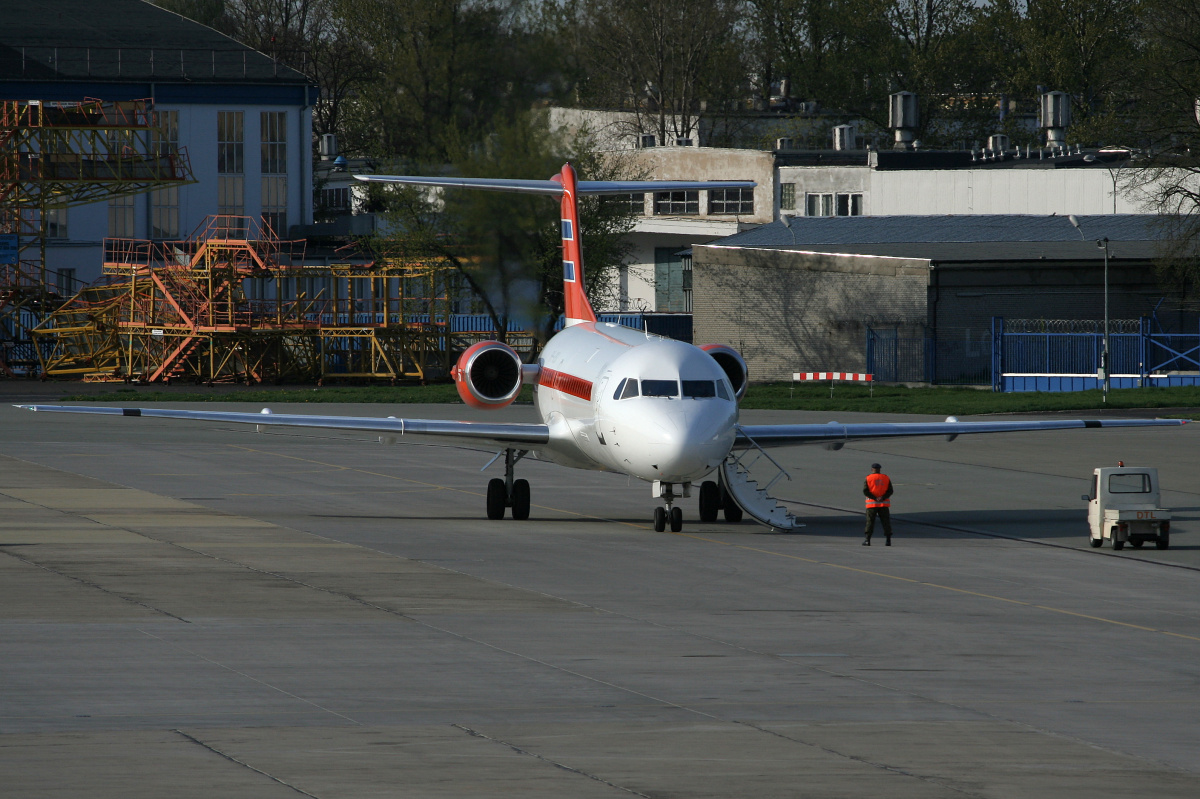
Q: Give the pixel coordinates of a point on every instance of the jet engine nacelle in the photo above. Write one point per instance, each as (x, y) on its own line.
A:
(732, 364)
(488, 375)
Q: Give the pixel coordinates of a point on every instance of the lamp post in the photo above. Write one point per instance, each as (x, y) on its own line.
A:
(1102, 244)
(1112, 174)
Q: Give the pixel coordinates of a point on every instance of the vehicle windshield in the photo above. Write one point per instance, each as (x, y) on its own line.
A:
(699, 389)
(660, 388)
(1129, 483)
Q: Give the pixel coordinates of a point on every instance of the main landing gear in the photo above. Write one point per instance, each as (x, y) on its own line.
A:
(668, 513)
(714, 499)
(508, 493)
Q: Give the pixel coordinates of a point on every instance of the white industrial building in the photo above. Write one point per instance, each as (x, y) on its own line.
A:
(244, 121)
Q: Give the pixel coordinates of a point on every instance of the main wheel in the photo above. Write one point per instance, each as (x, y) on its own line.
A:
(1136, 543)
(710, 501)
(520, 499)
(733, 511)
(1163, 542)
(676, 519)
(660, 519)
(497, 498)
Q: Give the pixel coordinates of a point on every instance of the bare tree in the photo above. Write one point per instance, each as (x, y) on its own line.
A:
(668, 62)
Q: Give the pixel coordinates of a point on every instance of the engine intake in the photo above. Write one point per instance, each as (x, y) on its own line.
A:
(488, 375)
(732, 364)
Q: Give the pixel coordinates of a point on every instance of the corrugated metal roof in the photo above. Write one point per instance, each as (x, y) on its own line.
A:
(122, 40)
(809, 231)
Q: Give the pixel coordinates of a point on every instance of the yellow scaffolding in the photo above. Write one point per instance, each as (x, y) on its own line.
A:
(57, 155)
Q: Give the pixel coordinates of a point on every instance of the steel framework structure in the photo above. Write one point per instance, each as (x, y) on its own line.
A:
(57, 155)
(235, 303)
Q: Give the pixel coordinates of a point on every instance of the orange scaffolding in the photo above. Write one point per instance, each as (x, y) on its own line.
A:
(57, 155)
(234, 303)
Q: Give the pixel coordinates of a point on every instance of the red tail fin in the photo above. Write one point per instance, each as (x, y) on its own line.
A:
(576, 305)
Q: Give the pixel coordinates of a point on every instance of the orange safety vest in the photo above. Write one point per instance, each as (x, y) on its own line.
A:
(878, 485)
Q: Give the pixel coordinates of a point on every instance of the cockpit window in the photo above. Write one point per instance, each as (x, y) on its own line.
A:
(660, 388)
(630, 390)
(722, 392)
(621, 385)
(699, 389)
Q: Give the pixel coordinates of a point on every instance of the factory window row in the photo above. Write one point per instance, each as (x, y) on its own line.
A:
(231, 179)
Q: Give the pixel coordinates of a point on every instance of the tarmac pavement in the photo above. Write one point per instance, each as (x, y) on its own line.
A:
(193, 609)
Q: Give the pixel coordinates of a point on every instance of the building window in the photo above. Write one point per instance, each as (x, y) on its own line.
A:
(231, 163)
(730, 201)
(56, 223)
(66, 282)
(787, 196)
(164, 203)
(633, 203)
(334, 201)
(672, 291)
(833, 204)
(120, 217)
(676, 203)
(273, 132)
(849, 205)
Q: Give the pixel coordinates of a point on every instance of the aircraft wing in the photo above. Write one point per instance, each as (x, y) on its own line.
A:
(482, 435)
(785, 435)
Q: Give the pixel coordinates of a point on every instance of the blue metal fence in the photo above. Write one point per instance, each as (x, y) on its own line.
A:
(1056, 361)
(955, 357)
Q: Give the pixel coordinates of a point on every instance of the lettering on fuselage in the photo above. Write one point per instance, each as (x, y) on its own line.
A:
(567, 384)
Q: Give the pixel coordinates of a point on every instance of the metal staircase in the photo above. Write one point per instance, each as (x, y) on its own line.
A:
(739, 483)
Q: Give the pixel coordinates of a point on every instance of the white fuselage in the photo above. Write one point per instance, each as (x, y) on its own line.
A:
(675, 424)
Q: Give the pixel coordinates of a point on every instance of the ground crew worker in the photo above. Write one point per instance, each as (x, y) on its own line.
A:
(877, 488)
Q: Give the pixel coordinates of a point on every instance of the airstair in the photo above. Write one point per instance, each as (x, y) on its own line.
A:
(740, 474)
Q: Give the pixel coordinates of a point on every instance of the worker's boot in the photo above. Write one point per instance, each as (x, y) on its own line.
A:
(867, 541)
(888, 543)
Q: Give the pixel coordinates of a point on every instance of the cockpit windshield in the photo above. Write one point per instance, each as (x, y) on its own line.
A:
(699, 389)
(692, 389)
(660, 388)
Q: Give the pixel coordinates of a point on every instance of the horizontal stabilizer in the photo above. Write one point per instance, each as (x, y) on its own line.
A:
(555, 189)
(549, 187)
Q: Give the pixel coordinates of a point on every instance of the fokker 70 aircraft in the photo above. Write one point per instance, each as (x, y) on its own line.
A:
(614, 398)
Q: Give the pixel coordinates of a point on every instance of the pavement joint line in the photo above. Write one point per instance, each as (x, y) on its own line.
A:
(545, 759)
(250, 677)
(96, 586)
(937, 585)
(242, 763)
(863, 760)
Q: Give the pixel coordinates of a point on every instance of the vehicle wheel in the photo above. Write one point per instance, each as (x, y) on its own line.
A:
(1163, 542)
(497, 498)
(1095, 542)
(1117, 544)
(520, 499)
(710, 501)
(660, 519)
(1136, 543)
(676, 519)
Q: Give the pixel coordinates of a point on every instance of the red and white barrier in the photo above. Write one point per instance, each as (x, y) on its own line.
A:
(857, 377)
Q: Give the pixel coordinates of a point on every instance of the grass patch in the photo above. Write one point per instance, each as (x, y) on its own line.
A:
(947, 401)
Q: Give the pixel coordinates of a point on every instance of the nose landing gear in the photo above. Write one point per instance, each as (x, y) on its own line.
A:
(508, 493)
(668, 513)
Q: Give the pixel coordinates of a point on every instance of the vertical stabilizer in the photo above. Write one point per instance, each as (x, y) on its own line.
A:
(576, 307)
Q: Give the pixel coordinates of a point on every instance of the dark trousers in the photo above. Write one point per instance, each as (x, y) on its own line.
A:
(885, 517)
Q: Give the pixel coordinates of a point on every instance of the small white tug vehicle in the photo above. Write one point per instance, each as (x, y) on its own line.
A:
(1124, 507)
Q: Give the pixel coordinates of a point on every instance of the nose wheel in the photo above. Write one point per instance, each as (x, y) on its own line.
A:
(668, 514)
(508, 493)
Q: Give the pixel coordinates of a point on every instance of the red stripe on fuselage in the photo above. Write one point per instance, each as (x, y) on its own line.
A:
(567, 384)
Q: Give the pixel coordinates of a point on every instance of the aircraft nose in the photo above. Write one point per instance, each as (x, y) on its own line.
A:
(689, 444)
